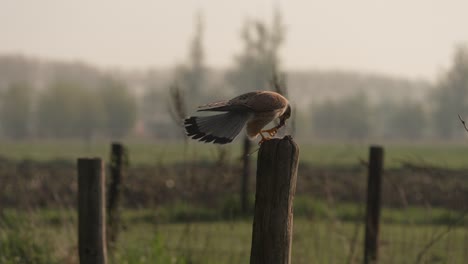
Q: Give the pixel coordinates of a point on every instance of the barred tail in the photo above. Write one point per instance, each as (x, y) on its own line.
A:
(219, 129)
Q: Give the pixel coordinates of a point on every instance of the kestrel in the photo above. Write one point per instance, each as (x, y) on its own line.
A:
(256, 109)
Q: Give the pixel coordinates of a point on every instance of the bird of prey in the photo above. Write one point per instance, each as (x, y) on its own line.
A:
(256, 109)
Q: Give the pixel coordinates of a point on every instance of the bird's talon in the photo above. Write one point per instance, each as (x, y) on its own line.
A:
(263, 138)
(272, 132)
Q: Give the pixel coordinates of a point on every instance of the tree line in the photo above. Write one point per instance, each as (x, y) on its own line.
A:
(107, 107)
(435, 117)
(82, 102)
(67, 108)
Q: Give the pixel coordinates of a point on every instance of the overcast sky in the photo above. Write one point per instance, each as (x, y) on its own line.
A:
(410, 38)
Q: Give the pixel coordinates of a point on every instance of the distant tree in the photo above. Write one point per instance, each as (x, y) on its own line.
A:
(15, 110)
(254, 70)
(451, 96)
(58, 110)
(192, 76)
(348, 118)
(382, 116)
(67, 109)
(119, 106)
(259, 61)
(153, 110)
(325, 120)
(18, 69)
(178, 108)
(407, 121)
(91, 116)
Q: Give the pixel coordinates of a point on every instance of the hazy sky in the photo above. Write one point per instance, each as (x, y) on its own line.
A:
(412, 38)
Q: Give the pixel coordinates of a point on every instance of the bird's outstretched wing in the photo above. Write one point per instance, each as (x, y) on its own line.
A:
(258, 101)
(255, 108)
(221, 128)
(224, 106)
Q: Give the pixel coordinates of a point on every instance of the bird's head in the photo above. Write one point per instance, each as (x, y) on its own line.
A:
(286, 115)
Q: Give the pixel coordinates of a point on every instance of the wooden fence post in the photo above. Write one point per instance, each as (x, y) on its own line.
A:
(116, 175)
(371, 243)
(91, 216)
(275, 188)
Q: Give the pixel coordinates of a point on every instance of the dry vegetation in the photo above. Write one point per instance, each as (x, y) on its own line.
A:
(189, 212)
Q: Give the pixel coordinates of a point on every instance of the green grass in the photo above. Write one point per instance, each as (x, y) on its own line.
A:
(321, 234)
(141, 153)
(229, 242)
(304, 207)
(438, 155)
(313, 242)
(333, 154)
(52, 235)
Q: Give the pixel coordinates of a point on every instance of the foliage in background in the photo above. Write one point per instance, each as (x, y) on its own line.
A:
(407, 120)
(73, 100)
(15, 110)
(192, 76)
(396, 120)
(259, 61)
(178, 108)
(451, 96)
(59, 110)
(90, 115)
(68, 109)
(153, 110)
(346, 119)
(120, 108)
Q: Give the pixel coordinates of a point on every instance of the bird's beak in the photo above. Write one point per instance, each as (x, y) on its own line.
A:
(282, 121)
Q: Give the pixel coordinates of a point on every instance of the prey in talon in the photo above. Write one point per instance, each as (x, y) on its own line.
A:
(253, 110)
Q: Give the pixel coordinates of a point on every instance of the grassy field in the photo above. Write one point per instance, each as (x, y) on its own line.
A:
(314, 241)
(322, 234)
(141, 153)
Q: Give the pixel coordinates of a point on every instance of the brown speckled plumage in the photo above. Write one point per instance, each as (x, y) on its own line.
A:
(254, 109)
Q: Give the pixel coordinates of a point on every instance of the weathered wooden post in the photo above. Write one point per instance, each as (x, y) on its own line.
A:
(91, 216)
(273, 218)
(374, 183)
(113, 200)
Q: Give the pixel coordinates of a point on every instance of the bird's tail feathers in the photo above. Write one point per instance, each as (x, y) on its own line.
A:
(221, 128)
